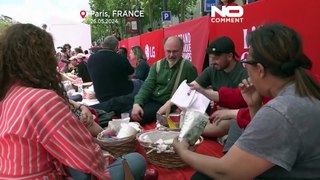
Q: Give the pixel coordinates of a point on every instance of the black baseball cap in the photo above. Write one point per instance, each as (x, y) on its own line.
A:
(222, 45)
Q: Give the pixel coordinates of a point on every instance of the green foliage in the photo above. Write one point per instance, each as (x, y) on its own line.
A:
(4, 24)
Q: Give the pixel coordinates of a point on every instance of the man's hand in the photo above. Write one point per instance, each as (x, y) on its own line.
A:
(165, 107)
(137, 112)
(195, 86)
(223, 114)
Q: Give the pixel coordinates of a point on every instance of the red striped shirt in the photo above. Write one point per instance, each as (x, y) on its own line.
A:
(39, 133)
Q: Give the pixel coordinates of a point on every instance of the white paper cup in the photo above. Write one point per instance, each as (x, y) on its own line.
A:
(126, 131)
(125, 115)
(115, 124)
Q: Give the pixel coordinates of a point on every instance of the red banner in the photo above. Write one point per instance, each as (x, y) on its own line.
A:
(152, 45)
(197, 32)
(195, 37)
(252, 18)
(303, 20)
(123, 43)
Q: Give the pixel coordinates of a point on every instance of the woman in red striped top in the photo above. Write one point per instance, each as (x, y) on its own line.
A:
(39, 135)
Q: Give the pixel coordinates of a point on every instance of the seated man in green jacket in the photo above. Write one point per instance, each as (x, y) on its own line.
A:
(157, 88)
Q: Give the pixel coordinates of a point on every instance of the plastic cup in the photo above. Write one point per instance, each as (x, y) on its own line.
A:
(115, 124)
(124, 115)
(126, 131)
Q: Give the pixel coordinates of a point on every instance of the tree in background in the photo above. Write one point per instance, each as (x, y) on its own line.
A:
(5, 22)
(152, 14)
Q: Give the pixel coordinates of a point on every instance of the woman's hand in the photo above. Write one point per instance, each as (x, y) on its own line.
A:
(179, 147)
(250, 94)
(86, 116)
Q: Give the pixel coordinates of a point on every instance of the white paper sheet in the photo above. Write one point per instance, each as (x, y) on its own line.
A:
(186, 98)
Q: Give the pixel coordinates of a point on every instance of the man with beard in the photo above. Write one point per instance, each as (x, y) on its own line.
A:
(223, 71)
(157, 88)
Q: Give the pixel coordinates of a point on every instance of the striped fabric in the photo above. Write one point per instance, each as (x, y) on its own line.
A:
(38, 133)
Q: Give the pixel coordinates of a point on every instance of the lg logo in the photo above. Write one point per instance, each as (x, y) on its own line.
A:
(150, 51)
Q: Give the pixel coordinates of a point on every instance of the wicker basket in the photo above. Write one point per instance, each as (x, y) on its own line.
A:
(118, 147)
(167, 159)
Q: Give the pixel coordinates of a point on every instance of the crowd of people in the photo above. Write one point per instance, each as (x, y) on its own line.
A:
(264, 105)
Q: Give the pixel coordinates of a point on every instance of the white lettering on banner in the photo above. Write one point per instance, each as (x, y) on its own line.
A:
(146, 51)
(187, 48)
(153, 52)
(187, 52)
(227, 11)
(245, 33)
(150, 51)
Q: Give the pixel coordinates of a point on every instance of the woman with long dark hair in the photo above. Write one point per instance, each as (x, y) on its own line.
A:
(39, 133)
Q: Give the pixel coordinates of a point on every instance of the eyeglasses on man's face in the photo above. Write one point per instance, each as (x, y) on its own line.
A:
(245, 61)
(172, 51)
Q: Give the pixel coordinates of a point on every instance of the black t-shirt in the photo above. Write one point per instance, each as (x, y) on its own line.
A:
(219, 78)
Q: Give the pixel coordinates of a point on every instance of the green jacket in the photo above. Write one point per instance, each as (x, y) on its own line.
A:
(158, 85)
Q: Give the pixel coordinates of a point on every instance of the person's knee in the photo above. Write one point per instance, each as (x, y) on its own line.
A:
(137, 164)
(135, 159)
(79, 175)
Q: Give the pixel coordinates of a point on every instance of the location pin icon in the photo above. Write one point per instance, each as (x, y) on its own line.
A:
(83, 13)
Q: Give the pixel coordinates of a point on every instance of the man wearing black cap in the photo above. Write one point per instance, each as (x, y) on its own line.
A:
(223, 71)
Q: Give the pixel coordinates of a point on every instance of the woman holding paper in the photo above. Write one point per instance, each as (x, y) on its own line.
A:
(281, 140)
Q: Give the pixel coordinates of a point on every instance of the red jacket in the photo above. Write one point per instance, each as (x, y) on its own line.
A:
(232, 98)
